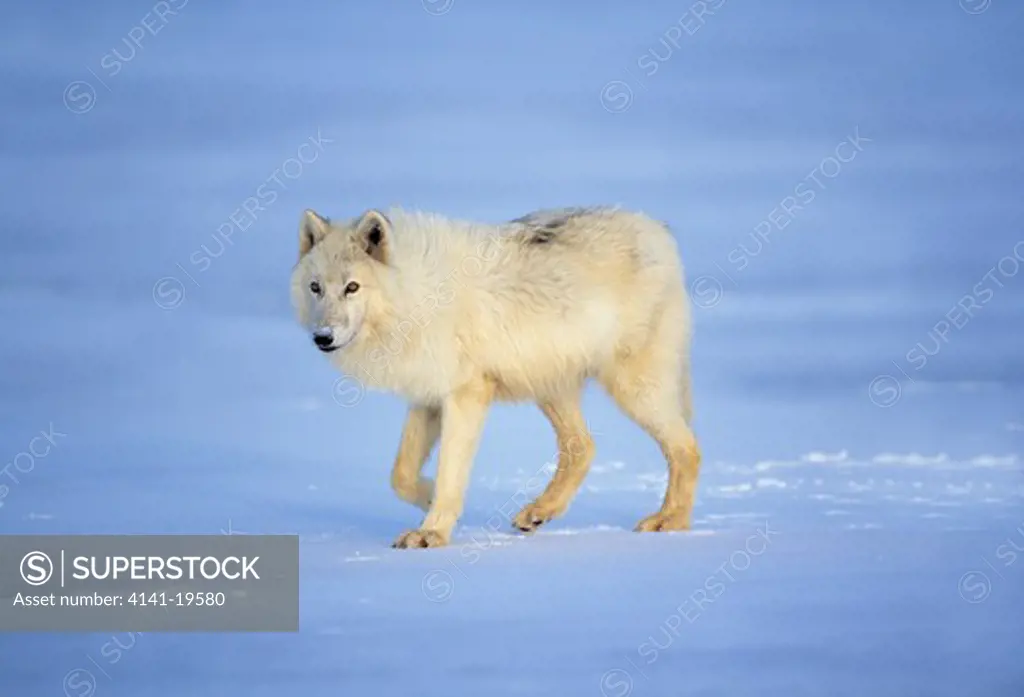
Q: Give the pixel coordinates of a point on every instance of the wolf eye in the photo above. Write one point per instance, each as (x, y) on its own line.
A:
(315, 289)
(352, 287)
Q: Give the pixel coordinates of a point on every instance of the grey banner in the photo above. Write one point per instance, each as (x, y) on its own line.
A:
(149, 583)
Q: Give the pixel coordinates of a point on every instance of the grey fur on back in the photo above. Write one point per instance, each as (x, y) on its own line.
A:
(543, 226)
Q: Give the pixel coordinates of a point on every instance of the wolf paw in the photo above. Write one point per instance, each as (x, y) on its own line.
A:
(418, 539)
(535, 515)
(663, 521)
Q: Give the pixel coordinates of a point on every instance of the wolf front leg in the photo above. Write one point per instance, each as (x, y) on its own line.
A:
(462, 420)
(422, 428)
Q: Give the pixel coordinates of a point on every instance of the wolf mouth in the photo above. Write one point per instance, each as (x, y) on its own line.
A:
(335, 346)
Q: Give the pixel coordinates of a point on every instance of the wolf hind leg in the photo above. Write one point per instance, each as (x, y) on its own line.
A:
(575, 451)
(653, 389)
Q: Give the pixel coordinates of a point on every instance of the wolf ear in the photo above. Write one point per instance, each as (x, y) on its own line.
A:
(311, 230)
(373, 235)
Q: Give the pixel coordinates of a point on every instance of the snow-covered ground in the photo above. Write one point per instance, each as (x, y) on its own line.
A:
(860, 519)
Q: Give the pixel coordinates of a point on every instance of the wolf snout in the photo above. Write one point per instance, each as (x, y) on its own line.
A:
(324, 339)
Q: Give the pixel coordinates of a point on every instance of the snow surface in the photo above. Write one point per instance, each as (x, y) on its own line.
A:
(842, 544)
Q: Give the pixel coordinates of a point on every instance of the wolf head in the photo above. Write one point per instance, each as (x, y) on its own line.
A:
(339, 275)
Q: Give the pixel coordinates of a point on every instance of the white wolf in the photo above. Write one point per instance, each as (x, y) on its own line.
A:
(454, 315)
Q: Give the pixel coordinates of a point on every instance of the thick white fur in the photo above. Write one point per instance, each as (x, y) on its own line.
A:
(453, 315)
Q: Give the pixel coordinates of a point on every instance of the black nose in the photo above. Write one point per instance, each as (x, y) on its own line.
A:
(323, 339)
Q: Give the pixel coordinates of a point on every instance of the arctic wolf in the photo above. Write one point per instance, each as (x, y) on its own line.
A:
(454, 315)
